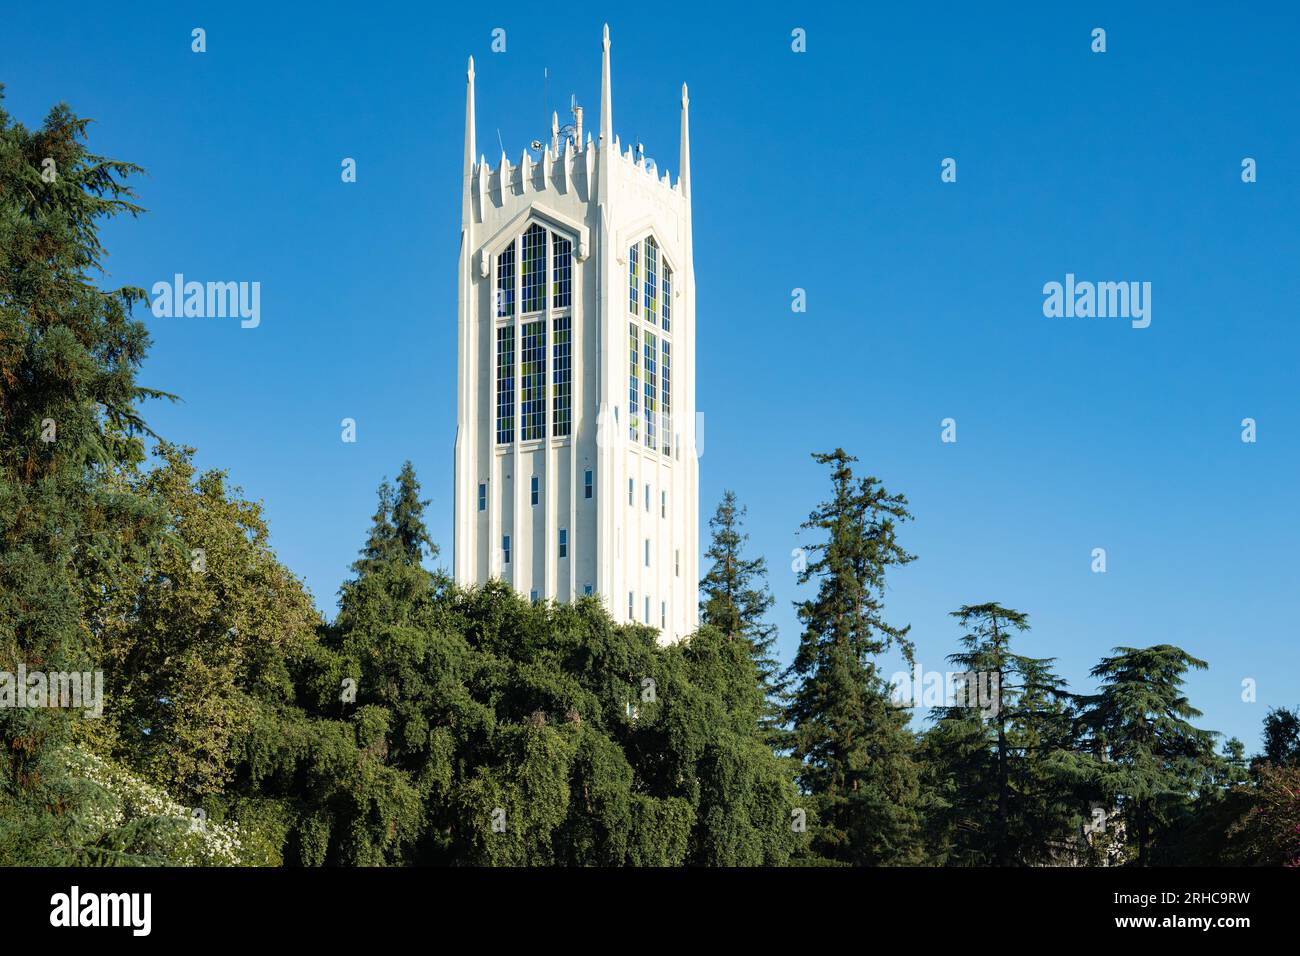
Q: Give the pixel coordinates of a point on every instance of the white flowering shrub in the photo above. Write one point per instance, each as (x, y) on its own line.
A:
(129, 820)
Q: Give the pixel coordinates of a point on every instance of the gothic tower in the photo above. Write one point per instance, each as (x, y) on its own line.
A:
(576, 468)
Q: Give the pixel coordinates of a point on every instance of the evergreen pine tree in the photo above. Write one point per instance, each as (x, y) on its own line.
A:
(382, 544)
(1150, 760)
(408, 519)
(69, 353)
(1282, 737)
(854, 747)
(991, 754)
(734, 599)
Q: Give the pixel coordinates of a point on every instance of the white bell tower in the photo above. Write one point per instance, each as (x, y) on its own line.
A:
(576, 468)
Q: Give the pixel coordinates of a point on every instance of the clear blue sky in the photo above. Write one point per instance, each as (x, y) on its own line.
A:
(818, 171)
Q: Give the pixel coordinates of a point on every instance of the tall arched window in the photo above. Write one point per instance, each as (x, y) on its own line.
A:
(649, 359)
(542, 282)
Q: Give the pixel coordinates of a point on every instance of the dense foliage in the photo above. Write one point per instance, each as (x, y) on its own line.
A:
(431, 724)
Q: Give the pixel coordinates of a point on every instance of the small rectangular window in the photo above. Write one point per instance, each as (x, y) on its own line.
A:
(677, 563)
(534, 488)
(586, 483)
(647, 497)
(663, 504)
(586, 589)
(532, 596)
(564, 542)
(482, 496)
(663, 615)
(630, 605)
(505, 547)
(647, 552)
(631, 490)
(647, 609)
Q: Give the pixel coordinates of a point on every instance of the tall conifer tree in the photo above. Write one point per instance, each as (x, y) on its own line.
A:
(1150, 759)
(854, 746)
(69, 353)
(734, 598)
(991, 754)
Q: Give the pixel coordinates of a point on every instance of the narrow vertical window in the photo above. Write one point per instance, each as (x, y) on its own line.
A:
(561, 272)
(505, 384)
(651, 301)
(564, 542)
(666, 397)
(533, 271)
(534, 487)
(634, 382)
(532, 596)
(663, 504)
(586, 483)
(631, 490)
(633, 279)
(506, 281)
(532, 381)
(677, 564)
(651, 385)
(647, 552)
(630, 599)
(647, 609)
(505, 548)
(482, 497)
(561, 377)
(663, 615)
(667, 299)
(647, 497)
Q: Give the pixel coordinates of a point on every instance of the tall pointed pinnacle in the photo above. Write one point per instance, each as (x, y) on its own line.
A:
(684, 172)
(606, 97)
(469, 117)
(469, 137)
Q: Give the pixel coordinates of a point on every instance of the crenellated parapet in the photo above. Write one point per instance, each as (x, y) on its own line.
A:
(572, 172)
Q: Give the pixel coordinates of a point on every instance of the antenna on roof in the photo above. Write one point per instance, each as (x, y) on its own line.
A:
(573, 131)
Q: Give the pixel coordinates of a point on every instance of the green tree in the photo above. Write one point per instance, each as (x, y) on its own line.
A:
(991, 756)
(203, 635)
(69, 414)
(734, 599)
(381, 543)
(412, 536)
(1148, 759)
(1282, 737)
(854, 747)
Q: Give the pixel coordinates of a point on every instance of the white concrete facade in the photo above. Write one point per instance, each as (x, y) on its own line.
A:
(521, 462)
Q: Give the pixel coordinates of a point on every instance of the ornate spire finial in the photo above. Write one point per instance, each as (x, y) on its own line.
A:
(606, 95)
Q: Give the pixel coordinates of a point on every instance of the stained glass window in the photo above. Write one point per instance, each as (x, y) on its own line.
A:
(666, 396)
(651, 280)
(532, 381)
(505, 384)
(633, 278)
(668, 298)
(561, 376)
(634, 382)
(506, 281)
(561, 272)
(533, 274)
(651, 385)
